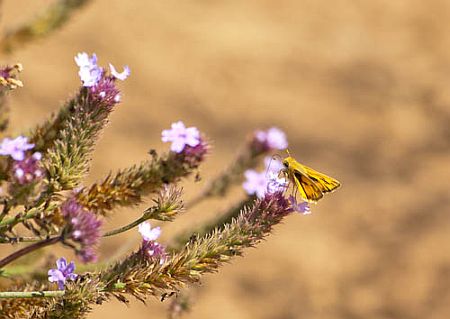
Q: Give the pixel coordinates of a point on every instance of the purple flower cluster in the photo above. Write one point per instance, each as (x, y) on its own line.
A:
(181, 136)
(194, 155)
(267, 181)
(101, 86)
(150, 247)
(105, 92)
(83, 227)
(269, 140)
(90, 73)
(62, 273)
(187, 143)
(25, 168)
(28, 170)
(16, 148)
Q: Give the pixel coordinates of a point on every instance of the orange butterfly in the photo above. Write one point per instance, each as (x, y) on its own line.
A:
(310, 183)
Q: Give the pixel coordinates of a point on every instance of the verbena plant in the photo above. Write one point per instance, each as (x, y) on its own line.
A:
(44, 201)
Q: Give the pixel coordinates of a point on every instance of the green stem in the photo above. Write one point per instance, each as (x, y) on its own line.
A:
(126, 227)
(31, 294)
(15, 220)
(107, 234)
(33, 212)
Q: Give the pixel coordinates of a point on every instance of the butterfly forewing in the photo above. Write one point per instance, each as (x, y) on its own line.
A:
(324, 182)
(310, 183)
(307, 188)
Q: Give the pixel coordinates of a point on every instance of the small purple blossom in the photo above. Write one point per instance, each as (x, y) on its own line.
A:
(90, 73)
(260, 184)
(122, 75)
(82, 59)
(15, 148)
(272, 139)
(256, 183)
(83, 227)
(180, 136)
(28, 170)
(275, 183)
(300, 207)
(62, 273)
(148, 233)
(150, 247)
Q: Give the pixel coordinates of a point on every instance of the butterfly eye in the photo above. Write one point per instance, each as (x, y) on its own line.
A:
(285, 164)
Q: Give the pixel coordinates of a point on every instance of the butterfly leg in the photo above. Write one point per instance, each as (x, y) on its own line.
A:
(295, 192)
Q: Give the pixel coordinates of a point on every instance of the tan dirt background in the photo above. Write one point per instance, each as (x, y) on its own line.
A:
(360, 87)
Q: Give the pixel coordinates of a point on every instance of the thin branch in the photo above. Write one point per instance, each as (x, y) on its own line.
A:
(24, 251)
(24, 239)
(125, 228)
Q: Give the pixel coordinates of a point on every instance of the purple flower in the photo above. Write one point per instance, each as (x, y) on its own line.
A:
(122, 75)
(273, 206)
(83, 60)
(16, 148)
(260, 184)
(105, 92)
(90, 73)
(28, 170)
(150, 247)
(62, 273)
(272, 139)
(147, 232)
(180, 136)
(300, 207)
(275, 183)
(194, 155)
(83, 227)
(154, 250)
(256, 183)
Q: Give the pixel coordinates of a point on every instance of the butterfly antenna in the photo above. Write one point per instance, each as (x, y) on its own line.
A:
(274, 157)
(268, 166)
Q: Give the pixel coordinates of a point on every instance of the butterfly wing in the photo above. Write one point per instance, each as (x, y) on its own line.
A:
(307, 188)
(325, 183)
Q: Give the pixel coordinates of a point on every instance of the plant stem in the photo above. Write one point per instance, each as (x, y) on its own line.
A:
(107, 234)
(126, 227)
(16, 219)
(17, 254)
(13, 240)
(31, 294)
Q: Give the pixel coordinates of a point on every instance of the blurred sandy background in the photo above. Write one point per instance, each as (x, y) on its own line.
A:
(361, 88)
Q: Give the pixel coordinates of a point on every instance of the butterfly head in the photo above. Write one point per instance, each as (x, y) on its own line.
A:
(287, 161)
